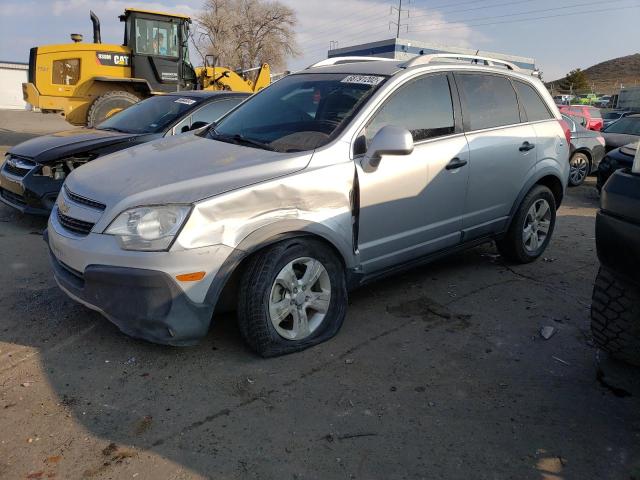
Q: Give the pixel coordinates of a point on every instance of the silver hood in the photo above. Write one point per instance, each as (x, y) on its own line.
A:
(181, 169)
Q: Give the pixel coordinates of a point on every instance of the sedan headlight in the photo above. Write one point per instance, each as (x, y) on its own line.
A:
(150, 228)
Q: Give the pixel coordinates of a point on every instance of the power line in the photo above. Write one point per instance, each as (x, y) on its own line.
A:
(584, 4)
(365, 24)
(538, 18)
(483, 7)
(449, 26)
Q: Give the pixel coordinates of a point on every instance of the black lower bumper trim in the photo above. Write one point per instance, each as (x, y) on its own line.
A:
(145, 304)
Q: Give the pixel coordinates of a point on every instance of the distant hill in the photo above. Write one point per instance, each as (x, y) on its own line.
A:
(608, 75)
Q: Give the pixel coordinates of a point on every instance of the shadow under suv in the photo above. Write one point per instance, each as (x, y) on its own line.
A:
(331, 177)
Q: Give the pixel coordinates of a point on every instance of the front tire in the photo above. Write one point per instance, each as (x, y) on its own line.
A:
(531, 228)
(580, 167)
(292, 296)
(615, 316)
(109, 104)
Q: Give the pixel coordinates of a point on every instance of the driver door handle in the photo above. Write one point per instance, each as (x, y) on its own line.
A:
(526, 146)
(455, 163)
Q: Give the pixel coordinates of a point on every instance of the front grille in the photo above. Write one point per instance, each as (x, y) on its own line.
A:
(83, 200)
(12, 197)
(73, 224)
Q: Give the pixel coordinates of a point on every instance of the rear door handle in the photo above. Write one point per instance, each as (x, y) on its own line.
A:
(526, 146)
(455, 163)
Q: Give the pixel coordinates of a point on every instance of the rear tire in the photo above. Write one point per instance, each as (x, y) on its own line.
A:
(615, 316)
(580, 168)
(109, 104)
(280, 309)
(528, 235)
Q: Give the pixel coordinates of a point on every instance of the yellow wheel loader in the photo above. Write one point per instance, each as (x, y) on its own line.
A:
(88, 82)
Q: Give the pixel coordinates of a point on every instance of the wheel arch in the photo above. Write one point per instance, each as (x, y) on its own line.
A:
(138, 85)
(223, 290)
(548, 177)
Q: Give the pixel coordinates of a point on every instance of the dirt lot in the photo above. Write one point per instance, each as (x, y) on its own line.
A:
(437, 373)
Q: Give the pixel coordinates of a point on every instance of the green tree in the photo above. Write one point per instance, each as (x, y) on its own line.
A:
(576, 81)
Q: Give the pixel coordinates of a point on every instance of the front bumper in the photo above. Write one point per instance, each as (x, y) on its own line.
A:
(137, 291)
(29, 193)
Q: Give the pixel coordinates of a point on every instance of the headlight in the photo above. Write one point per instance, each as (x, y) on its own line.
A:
(148, 228)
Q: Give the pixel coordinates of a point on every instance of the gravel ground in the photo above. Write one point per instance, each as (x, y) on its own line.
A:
(437, 373)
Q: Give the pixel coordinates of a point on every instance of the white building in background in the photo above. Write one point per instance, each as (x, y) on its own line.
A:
(12, 76)
(403, 49)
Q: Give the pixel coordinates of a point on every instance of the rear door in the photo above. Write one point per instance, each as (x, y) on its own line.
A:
(502, 150)
(412, 205)
(537, 113)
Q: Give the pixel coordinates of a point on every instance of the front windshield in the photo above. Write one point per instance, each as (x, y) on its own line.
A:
(611, 115)
(628, 125)
(152, 115)
(300, 112)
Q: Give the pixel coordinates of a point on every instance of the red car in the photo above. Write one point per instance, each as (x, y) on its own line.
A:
(592, 116)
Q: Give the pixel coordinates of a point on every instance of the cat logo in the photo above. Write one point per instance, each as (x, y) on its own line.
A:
(113, 59)
(121, 60)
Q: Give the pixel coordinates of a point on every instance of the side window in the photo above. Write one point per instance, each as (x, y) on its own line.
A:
(66, 72)
(532, 103)
(156, 37)
(489, 99)
(422, 106)
(214, 110)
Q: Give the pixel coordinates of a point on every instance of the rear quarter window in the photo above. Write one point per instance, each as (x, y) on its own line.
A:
(490, 101)
(534, 106)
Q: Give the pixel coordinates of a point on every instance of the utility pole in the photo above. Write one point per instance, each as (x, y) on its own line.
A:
(399, 23)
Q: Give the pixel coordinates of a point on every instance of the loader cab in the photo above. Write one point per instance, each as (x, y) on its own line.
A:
(159, 49)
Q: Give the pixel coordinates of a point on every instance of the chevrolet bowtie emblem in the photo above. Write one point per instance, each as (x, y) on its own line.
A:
(64, 208)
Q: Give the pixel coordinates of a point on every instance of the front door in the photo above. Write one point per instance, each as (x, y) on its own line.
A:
(412, 205)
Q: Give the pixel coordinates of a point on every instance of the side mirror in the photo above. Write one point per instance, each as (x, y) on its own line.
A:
(389, 140)
(185, 128)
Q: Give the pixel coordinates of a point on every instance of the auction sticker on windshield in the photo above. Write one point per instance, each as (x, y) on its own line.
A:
(186, 101)
(363, 79)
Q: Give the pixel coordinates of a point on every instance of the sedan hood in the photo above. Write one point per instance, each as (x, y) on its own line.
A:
(615, 140)
(49, 148)
(181, 169)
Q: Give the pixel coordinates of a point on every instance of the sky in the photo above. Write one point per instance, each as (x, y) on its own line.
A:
(560, 34)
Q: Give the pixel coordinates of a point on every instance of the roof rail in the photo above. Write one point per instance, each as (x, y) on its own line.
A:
(354, 59)
(426, 59)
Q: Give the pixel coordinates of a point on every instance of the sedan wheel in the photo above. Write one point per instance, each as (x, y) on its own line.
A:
(579, 169)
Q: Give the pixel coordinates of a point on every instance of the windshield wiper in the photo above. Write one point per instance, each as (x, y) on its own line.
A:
(241, 140)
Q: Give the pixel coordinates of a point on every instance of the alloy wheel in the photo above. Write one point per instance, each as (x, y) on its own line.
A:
(579, 169)
(536, 225)
(299, 298)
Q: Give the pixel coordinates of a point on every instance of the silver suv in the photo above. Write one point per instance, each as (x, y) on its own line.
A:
(329, 178)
